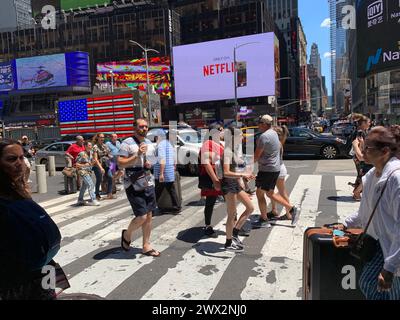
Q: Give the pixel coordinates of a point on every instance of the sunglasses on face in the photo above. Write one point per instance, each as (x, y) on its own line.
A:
(142, 127)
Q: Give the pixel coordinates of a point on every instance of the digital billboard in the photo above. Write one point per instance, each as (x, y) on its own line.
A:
(74, 4)
(132, 74)
(205, 71)
(41, 72)
(6, 77)
(377, 36)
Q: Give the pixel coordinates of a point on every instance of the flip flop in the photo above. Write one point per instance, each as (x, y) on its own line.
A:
(152, 253)
(124, 242)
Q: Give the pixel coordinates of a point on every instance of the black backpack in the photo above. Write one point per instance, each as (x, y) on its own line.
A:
(30, 239)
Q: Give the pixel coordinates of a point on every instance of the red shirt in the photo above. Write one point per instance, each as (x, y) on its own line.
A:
(74, 150)
(218, 149)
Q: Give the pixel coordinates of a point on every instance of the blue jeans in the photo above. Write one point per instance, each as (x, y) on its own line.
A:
(87, 183)
(99, 179)
(369, 280)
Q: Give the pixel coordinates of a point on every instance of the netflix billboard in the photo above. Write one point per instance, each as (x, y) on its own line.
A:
(205, 71)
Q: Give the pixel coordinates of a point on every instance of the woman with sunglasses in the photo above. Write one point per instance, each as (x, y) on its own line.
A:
(380, 277)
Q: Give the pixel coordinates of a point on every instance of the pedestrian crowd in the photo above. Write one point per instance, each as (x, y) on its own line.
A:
(149, 173)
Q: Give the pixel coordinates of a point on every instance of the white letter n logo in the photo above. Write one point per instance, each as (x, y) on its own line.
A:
(373, 60)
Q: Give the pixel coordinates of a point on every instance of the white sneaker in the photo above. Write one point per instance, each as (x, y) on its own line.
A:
(94, 203)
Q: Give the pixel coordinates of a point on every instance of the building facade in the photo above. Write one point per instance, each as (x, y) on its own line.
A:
(103, 32)
(15, 14)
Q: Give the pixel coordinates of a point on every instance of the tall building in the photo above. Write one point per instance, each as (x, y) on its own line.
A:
(15, 14)
(339, 55)
(103, 32)
(286, 16)
(315, 59)
(220, 19)
(317, 82)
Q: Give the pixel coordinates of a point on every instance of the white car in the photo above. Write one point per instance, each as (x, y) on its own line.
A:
(57, 150)
(187, 147)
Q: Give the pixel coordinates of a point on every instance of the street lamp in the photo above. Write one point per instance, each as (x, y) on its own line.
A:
(235, 77)
(112, 80)
(145, 50)
(276, 100)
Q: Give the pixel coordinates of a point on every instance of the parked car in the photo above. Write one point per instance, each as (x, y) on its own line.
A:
(187, 147)
(343, 129)
(303, 141)
(57, 150)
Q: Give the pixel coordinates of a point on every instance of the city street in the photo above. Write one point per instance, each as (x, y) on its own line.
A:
(193, 266)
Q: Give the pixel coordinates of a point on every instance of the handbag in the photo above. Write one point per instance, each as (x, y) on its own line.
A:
(140, 179)
(69, 172)
(362, 246)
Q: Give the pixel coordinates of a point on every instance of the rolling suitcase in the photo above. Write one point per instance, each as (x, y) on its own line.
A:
(70, 185)
(329, 273)
(164, 201)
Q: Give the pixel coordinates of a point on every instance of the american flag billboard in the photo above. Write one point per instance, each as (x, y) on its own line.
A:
(106, 114)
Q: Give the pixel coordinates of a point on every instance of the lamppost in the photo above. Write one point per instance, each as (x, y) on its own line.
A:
(112, 80)
(276, 100)
(145, 50)
(235, 77)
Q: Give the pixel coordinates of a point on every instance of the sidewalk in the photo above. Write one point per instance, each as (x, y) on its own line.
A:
(55, 186)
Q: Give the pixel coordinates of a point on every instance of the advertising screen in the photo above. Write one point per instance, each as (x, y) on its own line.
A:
(205, 71)
(132, 74)
(377, 38)
(41, 72)
(74, 4)
(6, 77)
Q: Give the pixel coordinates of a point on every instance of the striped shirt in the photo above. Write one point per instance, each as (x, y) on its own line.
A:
(165, 152)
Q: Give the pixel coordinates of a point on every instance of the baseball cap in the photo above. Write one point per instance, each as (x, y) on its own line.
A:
(266, 119)
(24, 137)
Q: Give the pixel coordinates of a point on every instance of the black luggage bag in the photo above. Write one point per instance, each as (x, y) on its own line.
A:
(164, 200)
(329, 273)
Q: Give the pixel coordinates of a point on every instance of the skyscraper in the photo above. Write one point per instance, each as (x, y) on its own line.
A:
(315, 59)
(339, 52)
(15, 13)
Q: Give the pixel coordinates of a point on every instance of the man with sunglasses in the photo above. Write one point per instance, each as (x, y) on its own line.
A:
(136, 156)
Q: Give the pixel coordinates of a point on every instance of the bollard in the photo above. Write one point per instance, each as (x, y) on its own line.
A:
(41, 181)
(51, 166)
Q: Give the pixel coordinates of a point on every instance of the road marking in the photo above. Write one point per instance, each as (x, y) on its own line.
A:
(75, 212)
(279, 269)
(106, 275)
(82, 225)
(346, 205)
(199, 271)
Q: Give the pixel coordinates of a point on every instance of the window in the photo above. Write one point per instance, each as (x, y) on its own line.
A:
(55, 148)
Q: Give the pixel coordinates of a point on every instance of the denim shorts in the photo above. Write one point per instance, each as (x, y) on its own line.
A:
(142, 202)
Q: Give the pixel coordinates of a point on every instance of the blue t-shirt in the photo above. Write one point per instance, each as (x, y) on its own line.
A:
(114, 148)
(165, 151)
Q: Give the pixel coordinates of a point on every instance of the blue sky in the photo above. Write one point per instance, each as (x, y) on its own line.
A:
(312, 14)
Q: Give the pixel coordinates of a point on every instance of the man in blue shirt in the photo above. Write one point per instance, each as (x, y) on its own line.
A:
(114, 145)
(164, 173)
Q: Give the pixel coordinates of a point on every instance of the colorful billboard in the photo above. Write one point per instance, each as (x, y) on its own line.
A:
(132, 74)
(41, 72)
(6, 77)
(205, 71)
(378, 43)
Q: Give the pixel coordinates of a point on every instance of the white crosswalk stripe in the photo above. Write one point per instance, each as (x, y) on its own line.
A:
(200, 268)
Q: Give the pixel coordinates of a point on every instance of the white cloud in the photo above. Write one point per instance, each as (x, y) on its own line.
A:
(326, 23)
(329, 54)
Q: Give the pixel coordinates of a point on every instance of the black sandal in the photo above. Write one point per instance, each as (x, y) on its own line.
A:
(272, 216)
(124, 242)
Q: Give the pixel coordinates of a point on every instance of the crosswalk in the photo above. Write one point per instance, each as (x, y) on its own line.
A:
(191, 266)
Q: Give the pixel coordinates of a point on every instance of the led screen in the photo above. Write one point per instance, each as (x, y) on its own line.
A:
(6, 77)
(205, 71)
(41, 72)
(132, 74)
